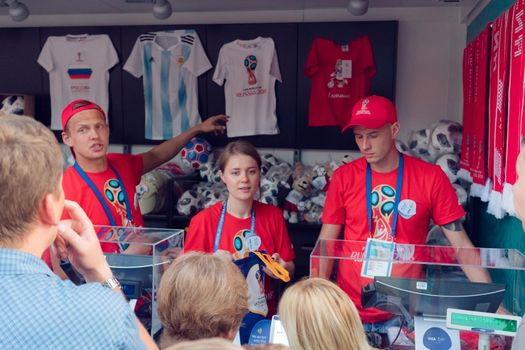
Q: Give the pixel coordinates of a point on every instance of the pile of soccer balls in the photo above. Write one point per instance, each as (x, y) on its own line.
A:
(439, 144)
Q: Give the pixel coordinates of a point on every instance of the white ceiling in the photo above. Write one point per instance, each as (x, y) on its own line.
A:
(61, 7)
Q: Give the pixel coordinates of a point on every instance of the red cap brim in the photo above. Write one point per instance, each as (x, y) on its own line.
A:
(366, 123)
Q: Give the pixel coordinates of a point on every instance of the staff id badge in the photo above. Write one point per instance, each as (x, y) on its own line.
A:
(378, 258)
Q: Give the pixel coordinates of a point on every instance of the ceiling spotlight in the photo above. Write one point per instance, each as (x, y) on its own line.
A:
(357, 7)
(161, 9)
(17, 10)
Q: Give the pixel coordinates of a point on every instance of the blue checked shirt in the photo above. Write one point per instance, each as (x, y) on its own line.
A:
(40, 311)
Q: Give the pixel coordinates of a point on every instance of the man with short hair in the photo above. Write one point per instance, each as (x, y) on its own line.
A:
(518, 191)
(39, 309)
(404, 194)
(104, 184)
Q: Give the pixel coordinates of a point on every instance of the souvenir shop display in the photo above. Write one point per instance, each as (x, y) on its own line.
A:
(169, 63)
(340, 76)
(248, 69)
(78, 67)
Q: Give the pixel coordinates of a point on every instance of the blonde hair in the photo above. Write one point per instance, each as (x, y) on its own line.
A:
(205, 344)
(266, 347)
(317, 314)
(31, 165)
(201, 296)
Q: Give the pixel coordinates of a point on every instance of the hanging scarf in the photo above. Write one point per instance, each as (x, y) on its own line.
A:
(468, 97)
(479, 119)
(499, 69)
(515, 104)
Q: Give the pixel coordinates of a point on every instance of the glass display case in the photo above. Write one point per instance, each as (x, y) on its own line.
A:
(139, 257)
(418, 283)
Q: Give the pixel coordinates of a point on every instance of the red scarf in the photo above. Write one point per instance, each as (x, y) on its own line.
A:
(515, 104)
(498, 89)
(468, 97)
(481, 57)
(478, 109)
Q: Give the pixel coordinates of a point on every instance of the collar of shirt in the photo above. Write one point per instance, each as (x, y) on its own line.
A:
(15, 262)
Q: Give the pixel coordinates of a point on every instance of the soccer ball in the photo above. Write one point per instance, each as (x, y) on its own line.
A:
(418, 143)
(446, 136)
(250, 62)
(209, 172)
(13, 105)
(189, 203)
(151, 191)
(213, 194)
(401, 147)
(449, 162)
(196, 152)
(211, 197)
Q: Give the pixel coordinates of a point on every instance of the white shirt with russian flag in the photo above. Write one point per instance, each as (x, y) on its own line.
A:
(78, 67)
(169, 63)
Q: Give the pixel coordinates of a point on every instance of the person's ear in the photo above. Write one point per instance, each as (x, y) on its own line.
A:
(230, 335)
(395, 128)
(221, 175)
(66, 138)
(51, 209)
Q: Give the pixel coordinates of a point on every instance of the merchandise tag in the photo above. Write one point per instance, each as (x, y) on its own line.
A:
(375, 250)
(347, 69)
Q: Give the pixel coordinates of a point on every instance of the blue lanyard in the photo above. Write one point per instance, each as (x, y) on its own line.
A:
(218, 234)
(99, 196)
(399, 187)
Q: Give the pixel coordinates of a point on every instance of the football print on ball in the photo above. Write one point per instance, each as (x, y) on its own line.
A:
(196, 153)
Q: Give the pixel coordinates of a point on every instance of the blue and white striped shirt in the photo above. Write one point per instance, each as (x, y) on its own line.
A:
(169, 63)
(40, 311)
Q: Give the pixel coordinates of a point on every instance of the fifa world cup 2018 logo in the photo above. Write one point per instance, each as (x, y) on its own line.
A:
(115, 195)
(250, 62)
(382, 207)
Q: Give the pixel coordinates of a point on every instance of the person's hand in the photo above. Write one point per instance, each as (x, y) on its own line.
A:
(78, 242)
(215, 124)
(275, 257)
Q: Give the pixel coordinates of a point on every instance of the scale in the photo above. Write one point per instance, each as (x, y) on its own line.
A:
(484, 323)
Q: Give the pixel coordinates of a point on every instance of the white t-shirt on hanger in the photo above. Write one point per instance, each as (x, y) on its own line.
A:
(169, 63)
(250, 68)
(78, 67)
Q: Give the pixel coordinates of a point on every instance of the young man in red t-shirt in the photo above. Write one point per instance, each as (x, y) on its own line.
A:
(104, 184)
(426, 194)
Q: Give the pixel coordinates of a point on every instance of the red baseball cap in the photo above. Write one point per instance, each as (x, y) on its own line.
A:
(78, 106)
(372, 112)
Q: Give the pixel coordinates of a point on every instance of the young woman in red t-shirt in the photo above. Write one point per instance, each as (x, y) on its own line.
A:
(241, 225)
